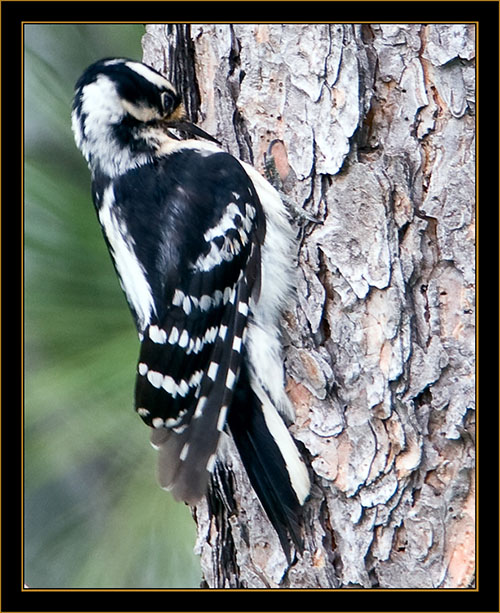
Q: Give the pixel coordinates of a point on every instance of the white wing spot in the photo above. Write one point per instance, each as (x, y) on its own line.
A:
(183, 388)
(155, 378)
(199, 407)
(173, 422)
(217, 297)
(186, 305)
(222, 419)
(158, 422)
(212, 370)
(243, 308)
(196, 377)
(142, 368)
(184, 452)
(174, 336)
(225, 222)
(178, 298)
(157, 335)
(184, 339)
(237, 344)
(227, 294)
(205, 302)
(230, 379)
(169, 385)
(243, 236)
(210, 335)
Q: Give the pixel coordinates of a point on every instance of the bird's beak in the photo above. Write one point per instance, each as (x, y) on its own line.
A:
(190, 128)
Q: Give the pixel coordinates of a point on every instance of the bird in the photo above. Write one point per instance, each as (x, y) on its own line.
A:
(203, 249)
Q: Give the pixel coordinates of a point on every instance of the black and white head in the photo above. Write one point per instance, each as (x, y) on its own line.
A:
(121, 109)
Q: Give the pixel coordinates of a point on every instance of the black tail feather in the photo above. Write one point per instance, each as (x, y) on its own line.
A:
(265, 465)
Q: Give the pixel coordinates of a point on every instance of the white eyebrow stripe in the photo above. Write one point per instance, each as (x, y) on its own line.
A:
(150, 75)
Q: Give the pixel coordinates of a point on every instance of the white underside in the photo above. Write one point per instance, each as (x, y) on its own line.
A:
(263, 340)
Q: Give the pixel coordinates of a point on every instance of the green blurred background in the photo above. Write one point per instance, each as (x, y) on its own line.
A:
(94, 515)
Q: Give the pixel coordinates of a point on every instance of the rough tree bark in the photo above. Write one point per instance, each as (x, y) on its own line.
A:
(371, 129)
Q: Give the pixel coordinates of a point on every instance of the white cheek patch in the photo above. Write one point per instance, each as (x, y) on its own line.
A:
(101, 103)
(140, 112)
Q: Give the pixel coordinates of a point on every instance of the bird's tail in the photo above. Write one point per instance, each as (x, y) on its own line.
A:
(271, 459)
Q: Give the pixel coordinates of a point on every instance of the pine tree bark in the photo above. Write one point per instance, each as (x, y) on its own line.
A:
(371, 130)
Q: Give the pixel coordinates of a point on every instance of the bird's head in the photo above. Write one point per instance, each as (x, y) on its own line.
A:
(122, 110)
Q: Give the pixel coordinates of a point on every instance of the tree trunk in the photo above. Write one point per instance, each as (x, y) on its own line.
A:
(371, 130)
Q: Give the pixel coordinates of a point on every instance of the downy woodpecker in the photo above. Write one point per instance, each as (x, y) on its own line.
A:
(203, 250)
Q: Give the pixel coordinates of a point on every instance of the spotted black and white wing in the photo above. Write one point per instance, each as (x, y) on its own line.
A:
(200, 260)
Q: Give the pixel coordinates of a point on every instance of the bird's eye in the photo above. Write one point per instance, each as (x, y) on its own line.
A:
(168, 102)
